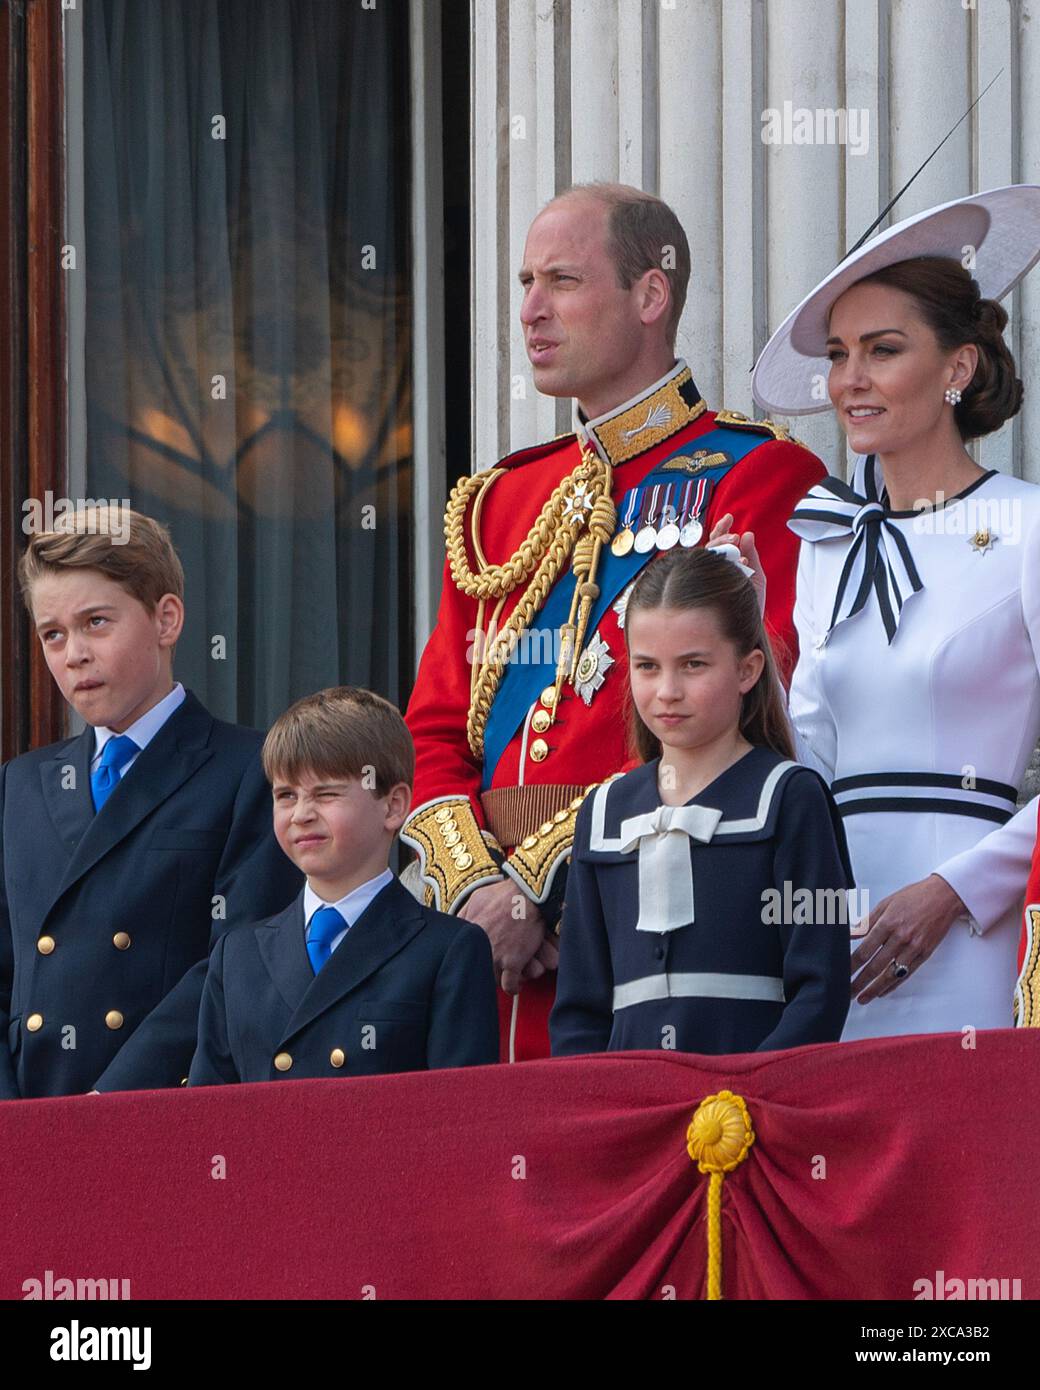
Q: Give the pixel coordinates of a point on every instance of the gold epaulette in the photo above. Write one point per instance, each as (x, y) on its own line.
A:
(454, 853)
(736, 421)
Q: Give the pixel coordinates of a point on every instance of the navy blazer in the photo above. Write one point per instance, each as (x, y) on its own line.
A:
(406, 989)
(750, 972)
(103, 916)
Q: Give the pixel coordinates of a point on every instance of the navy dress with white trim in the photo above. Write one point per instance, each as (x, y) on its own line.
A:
(736, 942)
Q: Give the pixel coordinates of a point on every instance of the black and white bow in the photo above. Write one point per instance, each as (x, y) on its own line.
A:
(879, 557)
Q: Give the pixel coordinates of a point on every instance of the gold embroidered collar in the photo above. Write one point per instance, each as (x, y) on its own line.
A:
(661, 411)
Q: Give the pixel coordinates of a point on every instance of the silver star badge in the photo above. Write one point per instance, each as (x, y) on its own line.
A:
(595, 662)
(982, 541)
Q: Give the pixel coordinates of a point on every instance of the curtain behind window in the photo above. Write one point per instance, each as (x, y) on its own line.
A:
(247, 328)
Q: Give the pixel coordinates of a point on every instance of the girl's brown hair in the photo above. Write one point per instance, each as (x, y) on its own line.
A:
(949, 301)
(684, 579)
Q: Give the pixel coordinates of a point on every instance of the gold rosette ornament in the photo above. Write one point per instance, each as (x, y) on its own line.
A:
(718, 1140)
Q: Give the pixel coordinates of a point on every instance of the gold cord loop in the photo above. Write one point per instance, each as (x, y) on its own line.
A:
(556, 537)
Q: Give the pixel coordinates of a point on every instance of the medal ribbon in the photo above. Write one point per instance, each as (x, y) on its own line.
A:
(684, 506)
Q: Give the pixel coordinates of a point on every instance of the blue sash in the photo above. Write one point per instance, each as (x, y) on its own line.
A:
(532, 669)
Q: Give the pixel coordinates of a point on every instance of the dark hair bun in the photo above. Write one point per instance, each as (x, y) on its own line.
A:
(948, 298)
(995, 392)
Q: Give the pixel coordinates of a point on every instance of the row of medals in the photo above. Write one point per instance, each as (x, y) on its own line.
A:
(675, 527)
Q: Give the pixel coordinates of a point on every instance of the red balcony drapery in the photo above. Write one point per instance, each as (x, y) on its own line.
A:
(875, 1166)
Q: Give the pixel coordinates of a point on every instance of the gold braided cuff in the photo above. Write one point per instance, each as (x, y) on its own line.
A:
(454, 853)
(1027, 990)
(535, 861)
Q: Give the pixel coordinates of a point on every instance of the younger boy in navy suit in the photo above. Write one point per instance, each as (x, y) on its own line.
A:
(356, 977)
(129, 848)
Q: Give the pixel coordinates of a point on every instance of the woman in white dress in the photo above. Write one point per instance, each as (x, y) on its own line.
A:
(917, 692)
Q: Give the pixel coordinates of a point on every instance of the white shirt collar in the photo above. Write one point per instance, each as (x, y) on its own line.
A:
(583, 426)
(350, 907)
(143, 730)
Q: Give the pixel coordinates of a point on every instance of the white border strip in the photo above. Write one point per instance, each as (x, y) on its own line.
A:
(599, 844)
(763, 988)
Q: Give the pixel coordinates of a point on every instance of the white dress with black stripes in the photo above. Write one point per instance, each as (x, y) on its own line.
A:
(925, 738)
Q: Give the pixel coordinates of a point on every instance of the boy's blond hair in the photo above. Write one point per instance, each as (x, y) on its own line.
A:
(142, 560)
(342, 734)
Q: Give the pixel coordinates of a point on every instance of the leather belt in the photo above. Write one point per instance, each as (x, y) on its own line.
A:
(513, 813)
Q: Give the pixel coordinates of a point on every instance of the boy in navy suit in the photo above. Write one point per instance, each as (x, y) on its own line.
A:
(127, 849)
(356, 977)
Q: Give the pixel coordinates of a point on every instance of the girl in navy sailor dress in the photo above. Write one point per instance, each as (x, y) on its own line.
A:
(707, 907)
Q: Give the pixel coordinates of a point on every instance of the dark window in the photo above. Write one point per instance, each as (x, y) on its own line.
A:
(248, 322)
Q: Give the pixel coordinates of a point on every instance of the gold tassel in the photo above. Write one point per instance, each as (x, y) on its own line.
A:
(718, 1140)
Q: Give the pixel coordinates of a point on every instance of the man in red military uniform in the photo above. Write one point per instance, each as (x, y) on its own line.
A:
(518, 705)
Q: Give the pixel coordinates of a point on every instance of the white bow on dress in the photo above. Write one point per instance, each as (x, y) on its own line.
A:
(665, 866)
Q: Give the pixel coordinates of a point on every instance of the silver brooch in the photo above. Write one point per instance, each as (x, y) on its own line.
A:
(620, 605)
(595, 662)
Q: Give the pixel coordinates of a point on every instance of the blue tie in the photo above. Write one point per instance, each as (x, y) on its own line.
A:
(116, 753)
(326, 925)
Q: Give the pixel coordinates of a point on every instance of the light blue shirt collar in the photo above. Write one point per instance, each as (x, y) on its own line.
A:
(143, 730)
(349, 908)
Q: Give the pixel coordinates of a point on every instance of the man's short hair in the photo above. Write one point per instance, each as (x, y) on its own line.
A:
(132, 550)
(345, 734)
(643, 233)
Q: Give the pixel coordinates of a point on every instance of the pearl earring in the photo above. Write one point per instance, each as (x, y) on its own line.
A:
(952, 396)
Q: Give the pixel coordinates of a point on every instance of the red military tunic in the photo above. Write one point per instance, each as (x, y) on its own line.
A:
(542, 773)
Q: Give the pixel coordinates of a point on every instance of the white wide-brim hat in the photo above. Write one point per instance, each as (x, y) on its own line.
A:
(1003, 228)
